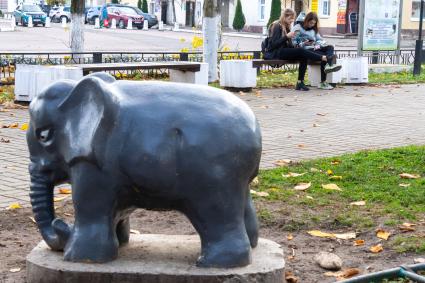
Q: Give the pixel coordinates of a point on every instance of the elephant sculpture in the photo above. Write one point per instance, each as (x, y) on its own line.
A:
(125, 145)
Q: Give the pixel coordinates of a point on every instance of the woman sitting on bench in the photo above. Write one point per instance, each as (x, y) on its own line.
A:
(307, 36)
(279, 46)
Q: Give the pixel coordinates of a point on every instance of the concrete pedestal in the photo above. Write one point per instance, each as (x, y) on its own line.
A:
(200, 77)
(156, 258)
(314, 76)
(237, 74)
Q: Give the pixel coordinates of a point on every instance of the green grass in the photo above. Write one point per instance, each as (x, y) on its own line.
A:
(6, 94)
(403, 244)
(397, 78)
(371, 176)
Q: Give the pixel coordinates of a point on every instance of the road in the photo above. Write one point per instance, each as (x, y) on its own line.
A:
(56, 38)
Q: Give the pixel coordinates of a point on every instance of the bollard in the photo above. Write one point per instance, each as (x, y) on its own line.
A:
(161, 25)
(30, 24)
(113, 24)
(97, 23)
(176, 27)
(145, 25)
(130, 24)
(13, 22)
(64, 22)
(47, 25)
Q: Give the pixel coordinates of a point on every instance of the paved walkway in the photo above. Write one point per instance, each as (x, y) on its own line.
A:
(295, 126)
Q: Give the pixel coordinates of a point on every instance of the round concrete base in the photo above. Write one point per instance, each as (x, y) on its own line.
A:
(156, 258)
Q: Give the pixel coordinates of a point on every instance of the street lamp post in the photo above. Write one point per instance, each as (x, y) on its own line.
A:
(419, 44)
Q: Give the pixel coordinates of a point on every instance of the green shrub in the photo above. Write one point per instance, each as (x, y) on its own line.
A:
(139, 4)
(274, 11)
(239, 20)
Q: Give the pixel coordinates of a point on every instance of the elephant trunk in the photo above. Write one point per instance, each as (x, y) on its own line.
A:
(55, 232)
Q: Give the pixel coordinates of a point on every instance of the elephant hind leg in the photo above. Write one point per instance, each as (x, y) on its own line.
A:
(221, 227)
(123, 231)
(251, 221)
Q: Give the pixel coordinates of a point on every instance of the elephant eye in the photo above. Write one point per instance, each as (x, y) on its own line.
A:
(44, 135)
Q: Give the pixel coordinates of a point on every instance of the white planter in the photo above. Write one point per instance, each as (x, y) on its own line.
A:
(130, 24)
(354, 70)
(145, 25)
(237, 74)
(30, 80)
(200, 77)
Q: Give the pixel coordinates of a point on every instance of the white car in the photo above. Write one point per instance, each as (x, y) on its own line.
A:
(52, 12)
(61, 13)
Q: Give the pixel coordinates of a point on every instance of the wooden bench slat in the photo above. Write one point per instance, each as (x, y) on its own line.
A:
(182, 66)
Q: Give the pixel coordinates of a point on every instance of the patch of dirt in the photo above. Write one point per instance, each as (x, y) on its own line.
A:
(19, 234)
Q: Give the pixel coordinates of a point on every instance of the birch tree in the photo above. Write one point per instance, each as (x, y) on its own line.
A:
(211, 30)
(77, 26)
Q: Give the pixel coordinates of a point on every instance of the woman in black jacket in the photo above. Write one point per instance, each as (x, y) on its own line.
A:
(280, 46)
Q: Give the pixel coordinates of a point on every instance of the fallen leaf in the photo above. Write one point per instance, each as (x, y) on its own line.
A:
(255, 181)
(11, 126)
(314, 170)
(56, 199)
(343, 274)
(329, 172)
(359, 243)
(309, 197)
(317, 233)
(346, 236)
(24, 126)
(335, 178)
(13, 206)
(316, 125)
(291, 174)
(260, 194)
(331, 187)
(301, 145)
(289, 237)
(133, 231)
(264, 106)
(4, 140)
(335, 162)
(302, 186)
(406, 224)
(405, 229)
(65, 191)
(376, 249)
(358, 203)
(241, 93)
(14, 270)
(382, 234)
(290, 277)
(321, 114)
(419, 260)
(32, 219)
(409, 176)
(404, 185)
(283, 162)
(258, 93)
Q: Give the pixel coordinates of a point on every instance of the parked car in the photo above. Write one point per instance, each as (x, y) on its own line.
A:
(53, 11)
(152, 19)
(122, 14)
(92, 14)
(63, 12)
(24, 11)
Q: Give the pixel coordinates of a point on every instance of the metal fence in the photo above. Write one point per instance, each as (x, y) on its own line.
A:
(8, 61)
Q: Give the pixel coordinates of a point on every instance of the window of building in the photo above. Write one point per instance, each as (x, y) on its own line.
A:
(262, 9)
(416, 9)
(325, 8)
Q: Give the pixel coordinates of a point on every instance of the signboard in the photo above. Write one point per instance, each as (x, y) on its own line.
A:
(315, 6)
(380, 24)
(342, 10)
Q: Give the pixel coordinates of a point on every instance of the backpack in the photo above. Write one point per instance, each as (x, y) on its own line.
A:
(265, 45)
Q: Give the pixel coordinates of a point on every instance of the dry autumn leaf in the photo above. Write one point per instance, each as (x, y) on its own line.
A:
(335, 178)
(291, 174)
(376, 249)
(14, 270)
(358, 203)
(406, 224)
(289, 237)
(314, 170)
(301, 145)
(359, 243)
(302, 186)
(133, 231)
(290, 277)
(321, 114)
(346, 236)
(260, 194)
(343, 274)
(65, 191)
(309, 197)
(333, 187)
(255, 181)
(409, 176)
(316, 125)
(13, 206)
(317, 233)
(264, 106)
(335, 162)
(24, 126)
(382, 234)
(11, 126)
(404, 185)
(32, 219)
(283, 162)
(405, 229)
(4, 140)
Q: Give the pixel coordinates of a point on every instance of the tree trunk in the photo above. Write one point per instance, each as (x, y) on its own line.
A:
(77, 26)
(211, 27)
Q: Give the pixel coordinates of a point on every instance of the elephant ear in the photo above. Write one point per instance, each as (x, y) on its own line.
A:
(89, 111)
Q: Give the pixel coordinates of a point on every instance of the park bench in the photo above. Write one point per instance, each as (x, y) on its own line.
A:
(31, 79)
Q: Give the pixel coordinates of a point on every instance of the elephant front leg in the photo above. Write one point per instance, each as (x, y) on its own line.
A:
(93, 238)
(123, 231)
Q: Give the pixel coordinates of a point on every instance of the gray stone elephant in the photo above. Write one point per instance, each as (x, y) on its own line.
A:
(155, 145)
